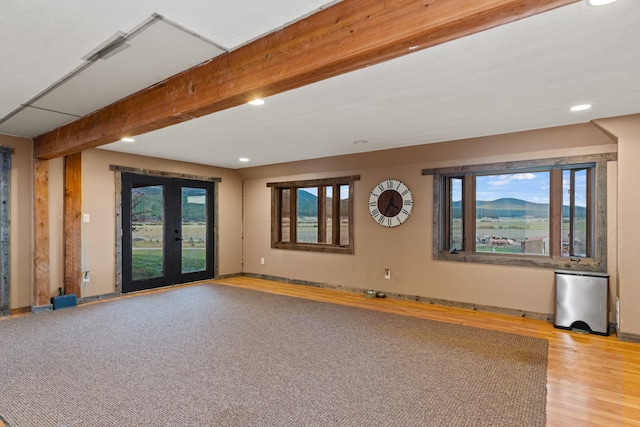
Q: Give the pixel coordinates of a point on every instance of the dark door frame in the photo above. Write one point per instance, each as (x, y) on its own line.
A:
(119, 170)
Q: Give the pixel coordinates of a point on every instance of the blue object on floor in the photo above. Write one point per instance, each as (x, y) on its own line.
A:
(64, 301)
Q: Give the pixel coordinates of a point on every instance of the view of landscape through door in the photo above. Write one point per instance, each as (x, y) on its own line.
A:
(167, 231)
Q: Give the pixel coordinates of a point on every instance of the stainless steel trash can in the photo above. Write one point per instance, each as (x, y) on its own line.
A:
(582, 301)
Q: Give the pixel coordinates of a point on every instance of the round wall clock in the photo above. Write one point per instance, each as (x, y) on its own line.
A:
(390, 203)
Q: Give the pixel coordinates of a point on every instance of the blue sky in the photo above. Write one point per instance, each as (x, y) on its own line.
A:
(344, 191)
(529, 186)
(532, 187)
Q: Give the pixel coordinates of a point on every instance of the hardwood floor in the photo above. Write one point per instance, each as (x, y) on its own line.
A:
(591, 380)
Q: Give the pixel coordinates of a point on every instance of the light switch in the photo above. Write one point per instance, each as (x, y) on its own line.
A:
(85, 217)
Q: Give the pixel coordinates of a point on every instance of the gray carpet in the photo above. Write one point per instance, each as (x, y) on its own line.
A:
(213, 355)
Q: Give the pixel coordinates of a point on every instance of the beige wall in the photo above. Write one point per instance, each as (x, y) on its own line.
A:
(406, 250)
(98, 200)
(21, 237)
(627, 130)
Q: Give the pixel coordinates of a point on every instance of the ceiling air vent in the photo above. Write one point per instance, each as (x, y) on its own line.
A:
(106, 50)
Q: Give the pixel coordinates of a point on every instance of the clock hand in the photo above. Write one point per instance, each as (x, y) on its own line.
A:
(389, 205)
(392, 201)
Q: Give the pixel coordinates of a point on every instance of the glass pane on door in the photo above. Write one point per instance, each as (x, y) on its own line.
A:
(147, 231)
(194, 229)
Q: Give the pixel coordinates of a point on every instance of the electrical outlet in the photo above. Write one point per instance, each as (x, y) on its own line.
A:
(262, 261)
(387, 273)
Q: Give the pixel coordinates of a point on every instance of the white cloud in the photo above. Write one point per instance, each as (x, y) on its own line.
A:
(508, 179)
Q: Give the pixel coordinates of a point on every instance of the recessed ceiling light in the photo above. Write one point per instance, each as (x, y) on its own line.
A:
(257, 102)
(580, 107)
(599, 2)
(243, 159)
(128, 140)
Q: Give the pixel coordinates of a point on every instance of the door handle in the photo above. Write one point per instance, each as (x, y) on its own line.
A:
(178, 239)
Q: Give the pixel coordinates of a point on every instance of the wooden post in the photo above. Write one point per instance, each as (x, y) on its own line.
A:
(41, 279)
(72, 223)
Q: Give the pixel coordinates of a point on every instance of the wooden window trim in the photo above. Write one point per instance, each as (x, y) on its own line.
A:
(598, 221)
(332, 246)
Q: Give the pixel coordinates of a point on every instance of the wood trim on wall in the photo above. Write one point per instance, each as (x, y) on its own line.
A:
(524, 164)
(152, 172)
(600, 225)
(596, 262)
(118, 227)
(555, 212)
(41, 259)
(73, 224)
(401, 296)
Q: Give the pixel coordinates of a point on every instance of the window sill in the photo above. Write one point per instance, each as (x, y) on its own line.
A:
(313, 248)
(539, 261)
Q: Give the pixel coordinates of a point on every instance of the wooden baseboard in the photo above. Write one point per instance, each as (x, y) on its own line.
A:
(21, 310)
(417, 298)
(39, 308)
(97, 298)
(623, 336)
(228, 276)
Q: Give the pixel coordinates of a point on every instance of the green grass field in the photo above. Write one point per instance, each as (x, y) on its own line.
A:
(147, 263)
(517, 229)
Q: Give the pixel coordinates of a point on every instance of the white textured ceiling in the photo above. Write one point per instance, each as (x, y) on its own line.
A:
(124, 64)
(519, 76)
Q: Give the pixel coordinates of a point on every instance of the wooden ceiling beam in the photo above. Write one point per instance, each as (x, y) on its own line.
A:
(344, 37)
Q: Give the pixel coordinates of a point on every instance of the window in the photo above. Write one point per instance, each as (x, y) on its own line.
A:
(313, 215)
(545, 213)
